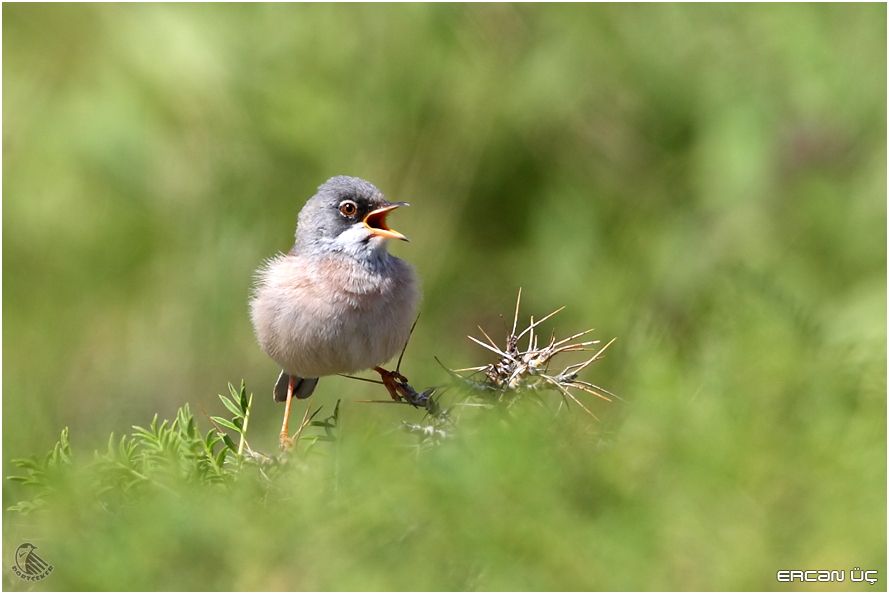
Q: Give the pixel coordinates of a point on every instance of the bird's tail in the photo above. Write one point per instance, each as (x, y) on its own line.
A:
(302, 387)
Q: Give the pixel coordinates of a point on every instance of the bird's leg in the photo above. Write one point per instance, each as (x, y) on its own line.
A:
(393, 381)
(284, 439)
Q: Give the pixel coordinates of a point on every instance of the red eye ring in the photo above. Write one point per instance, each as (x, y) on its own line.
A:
(348, 208)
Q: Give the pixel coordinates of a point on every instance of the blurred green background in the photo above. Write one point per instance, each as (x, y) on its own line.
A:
(707, 183)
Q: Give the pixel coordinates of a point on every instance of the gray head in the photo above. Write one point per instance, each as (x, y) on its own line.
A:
(347, 215)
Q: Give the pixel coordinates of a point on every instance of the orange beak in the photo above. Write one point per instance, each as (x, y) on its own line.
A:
(375, 221)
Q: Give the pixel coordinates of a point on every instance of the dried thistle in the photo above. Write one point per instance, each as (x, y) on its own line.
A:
(519, 370)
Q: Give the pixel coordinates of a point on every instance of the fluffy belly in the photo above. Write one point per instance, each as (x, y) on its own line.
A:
(333, 316)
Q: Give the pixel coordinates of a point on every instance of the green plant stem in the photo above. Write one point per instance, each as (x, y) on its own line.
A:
(243, 439)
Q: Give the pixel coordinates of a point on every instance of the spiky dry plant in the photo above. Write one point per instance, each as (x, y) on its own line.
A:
(519, 370)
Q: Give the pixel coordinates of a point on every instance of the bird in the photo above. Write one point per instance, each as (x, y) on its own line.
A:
(338, 302)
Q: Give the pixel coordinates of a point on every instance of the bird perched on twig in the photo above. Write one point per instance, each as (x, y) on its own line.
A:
(337, 302)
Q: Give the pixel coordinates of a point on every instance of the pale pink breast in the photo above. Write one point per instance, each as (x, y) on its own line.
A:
(333, 316)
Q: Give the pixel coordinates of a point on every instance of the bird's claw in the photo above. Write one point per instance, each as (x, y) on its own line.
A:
(395, 383)
(285, 442)
(401, 391)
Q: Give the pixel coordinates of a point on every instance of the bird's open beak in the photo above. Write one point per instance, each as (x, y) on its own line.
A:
(375, 221)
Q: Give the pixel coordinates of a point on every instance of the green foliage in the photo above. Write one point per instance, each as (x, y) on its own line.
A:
(164, 456)
(238, 404)
(41, 474)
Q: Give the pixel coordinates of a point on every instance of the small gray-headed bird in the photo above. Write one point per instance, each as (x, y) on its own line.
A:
(337, 302)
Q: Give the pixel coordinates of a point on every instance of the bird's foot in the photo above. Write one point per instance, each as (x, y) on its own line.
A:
(401, 391)
(395, 383)
(285, 442)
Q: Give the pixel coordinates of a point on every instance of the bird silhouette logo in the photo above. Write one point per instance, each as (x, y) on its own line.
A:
(29, 565)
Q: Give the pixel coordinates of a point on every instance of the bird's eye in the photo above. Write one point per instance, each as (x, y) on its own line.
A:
(348, 208)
